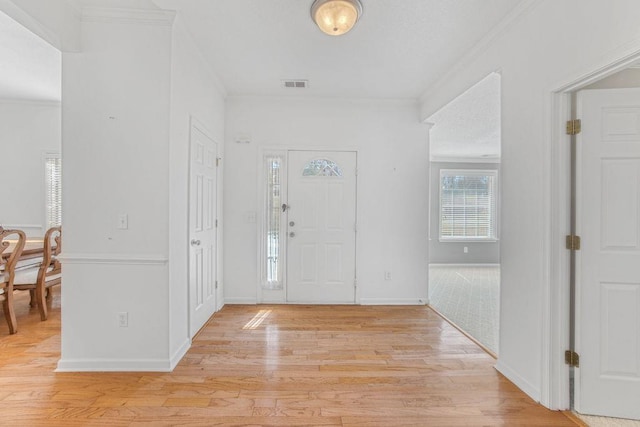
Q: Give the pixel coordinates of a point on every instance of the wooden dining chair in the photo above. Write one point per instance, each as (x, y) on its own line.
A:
(40, 278)
(7, 271)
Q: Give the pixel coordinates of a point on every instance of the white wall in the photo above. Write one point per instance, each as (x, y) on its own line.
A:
(540, 52)
(623, 79)
(116, 115)
(392, 187)
(195, 95)
(28, 130)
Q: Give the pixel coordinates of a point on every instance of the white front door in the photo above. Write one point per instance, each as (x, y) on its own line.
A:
(202, 229)
(321, 227)
(608, 264)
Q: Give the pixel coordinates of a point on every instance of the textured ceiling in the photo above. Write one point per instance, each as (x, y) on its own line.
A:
(469, 126)
(397, 50)
(30, 68)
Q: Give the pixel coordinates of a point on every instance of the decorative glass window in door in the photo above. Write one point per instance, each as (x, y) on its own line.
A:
(273, 250)
(322, 167)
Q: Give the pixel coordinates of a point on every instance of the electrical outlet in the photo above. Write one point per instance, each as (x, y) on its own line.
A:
(123, 222)
(387, 275)
(123, 319)
(466, 250)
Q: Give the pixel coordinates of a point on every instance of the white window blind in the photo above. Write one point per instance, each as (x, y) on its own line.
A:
(53, 182)
(468, 205)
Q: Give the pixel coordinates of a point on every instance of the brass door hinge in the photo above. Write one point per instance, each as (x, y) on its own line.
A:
(572, 358)
(573, 243)
(574, 127)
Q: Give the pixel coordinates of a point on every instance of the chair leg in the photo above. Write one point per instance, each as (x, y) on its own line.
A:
(9, 312)
(42, 301)
(33, 301)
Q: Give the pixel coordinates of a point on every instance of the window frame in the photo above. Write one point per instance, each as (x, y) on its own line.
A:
(277, 285)
(494, 218)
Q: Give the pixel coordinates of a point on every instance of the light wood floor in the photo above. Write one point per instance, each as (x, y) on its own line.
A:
(274, 366)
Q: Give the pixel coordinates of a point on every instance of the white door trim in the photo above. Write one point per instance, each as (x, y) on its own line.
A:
(555, 387)
(262, 295)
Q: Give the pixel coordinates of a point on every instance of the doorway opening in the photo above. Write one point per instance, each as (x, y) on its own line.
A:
(31, 126)
(30, 119)
(604, 294)
(464, 232)
(308, 227)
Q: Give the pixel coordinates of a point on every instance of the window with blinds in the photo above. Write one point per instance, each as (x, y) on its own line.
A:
(468, 205)
(53, 183)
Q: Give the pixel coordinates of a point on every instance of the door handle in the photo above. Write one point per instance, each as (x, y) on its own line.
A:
(285, 207)
(292, 234)
(195, 242)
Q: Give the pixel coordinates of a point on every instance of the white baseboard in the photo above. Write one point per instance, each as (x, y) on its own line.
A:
(179, 354)
(520, 382)
(114, 365)
(464, 265)
(394, 301)
(240, 301)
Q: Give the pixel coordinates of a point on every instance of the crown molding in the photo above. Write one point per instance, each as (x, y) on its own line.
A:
(404, 102)
(74, 8)
(162, 18)
(524, 7)
(216, 80)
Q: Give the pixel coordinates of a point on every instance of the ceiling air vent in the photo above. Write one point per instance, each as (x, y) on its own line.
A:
(300, 84)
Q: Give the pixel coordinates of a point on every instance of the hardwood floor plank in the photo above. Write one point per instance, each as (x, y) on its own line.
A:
(360, 366)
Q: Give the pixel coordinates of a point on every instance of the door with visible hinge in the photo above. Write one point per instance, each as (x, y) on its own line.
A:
(321, 227)
(202, 229)
(608, 262)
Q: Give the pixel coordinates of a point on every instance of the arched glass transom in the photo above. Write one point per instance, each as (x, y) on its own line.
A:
(322, 167)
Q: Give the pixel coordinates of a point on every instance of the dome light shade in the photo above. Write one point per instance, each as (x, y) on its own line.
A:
(336, 17)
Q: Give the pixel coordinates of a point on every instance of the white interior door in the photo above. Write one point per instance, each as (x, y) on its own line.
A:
(202, 229)
(321, 232)
(608, 264)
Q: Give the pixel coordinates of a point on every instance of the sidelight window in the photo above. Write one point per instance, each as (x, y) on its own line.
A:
(273, 247)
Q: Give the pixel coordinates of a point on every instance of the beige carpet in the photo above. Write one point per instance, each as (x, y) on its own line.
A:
(592, 421)
(468, 296)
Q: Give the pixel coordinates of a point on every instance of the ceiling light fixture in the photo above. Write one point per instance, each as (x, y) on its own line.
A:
(336, 17)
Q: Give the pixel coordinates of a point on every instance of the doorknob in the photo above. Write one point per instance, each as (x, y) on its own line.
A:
(291, 223)
(195, 242)
(292, 234)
